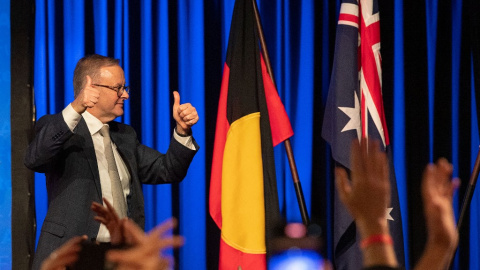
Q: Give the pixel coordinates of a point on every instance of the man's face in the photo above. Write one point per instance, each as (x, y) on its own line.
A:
(109, 105)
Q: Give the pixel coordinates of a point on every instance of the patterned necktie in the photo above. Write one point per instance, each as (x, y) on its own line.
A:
(117, 191)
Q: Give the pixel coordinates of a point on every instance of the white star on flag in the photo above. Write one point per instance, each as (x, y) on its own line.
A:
(354, 114)
(388, 212)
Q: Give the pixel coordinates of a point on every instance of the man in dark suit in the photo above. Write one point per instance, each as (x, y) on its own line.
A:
(85, 156)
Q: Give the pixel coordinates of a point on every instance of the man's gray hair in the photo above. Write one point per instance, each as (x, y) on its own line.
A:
(90, 65)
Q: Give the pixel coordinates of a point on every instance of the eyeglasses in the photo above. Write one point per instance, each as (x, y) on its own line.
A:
(118, 89)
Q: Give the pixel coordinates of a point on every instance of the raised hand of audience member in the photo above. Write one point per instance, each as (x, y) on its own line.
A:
(367, 197)
(145, 251)
(437, 193)
(65, 255)
(107, 216)
(368, 194)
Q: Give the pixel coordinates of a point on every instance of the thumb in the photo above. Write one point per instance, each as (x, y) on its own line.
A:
(89, 81)
(176, 98)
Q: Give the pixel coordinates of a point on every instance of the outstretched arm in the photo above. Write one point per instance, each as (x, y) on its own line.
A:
(52, 131)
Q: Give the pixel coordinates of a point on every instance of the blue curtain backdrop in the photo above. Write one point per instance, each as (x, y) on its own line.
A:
(180, 45)
(5, 143)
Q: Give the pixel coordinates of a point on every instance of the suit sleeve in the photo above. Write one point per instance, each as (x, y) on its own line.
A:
(51, 132)
(157, 168)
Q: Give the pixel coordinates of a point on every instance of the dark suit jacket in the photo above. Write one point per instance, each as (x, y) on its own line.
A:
(73, 183)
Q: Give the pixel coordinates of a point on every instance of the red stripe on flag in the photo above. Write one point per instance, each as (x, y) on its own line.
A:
(371, 37)
(363, 114)
(215, 203)
(231, 257)
(348, 17)
(279, 121)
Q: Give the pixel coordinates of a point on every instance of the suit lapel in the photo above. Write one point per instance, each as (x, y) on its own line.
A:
(89, 151)
(123, 144)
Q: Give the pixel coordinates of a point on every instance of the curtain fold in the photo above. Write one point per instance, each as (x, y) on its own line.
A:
(7, 161)
(191, 86)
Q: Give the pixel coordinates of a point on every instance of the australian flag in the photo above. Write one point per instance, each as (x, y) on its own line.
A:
(355, 109)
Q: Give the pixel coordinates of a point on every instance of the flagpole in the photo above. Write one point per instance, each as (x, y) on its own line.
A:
(288, 145)
(469, 194)
(467, 200)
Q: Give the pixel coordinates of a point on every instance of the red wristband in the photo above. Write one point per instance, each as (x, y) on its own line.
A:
(376, 239)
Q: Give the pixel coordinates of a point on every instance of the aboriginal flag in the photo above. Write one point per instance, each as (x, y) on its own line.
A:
(251, 120)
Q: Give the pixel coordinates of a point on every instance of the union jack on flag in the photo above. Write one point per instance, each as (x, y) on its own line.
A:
(354, 110)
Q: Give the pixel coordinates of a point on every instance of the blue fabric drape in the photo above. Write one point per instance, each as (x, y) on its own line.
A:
(475, 208)
(191, 76)
(5, 143)
(398, 130)
(431, 8)
(181, 45)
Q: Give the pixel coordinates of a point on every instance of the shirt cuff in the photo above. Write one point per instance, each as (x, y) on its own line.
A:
(71, 117)
(186, 141)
